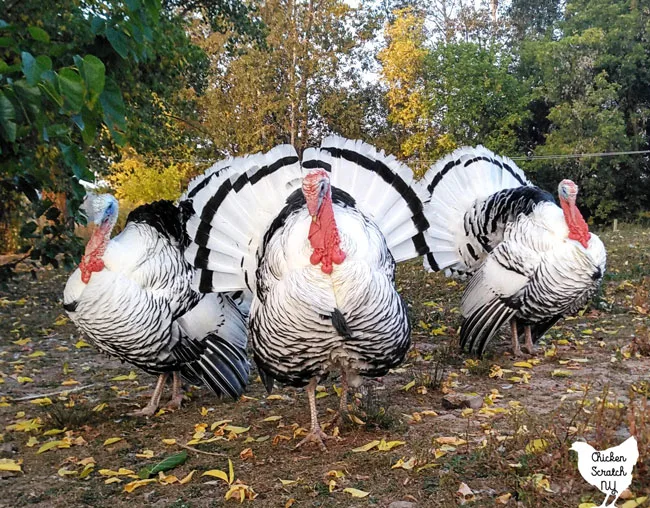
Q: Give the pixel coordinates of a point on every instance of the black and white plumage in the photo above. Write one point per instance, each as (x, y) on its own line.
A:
(131, 296)
(316, 243)
(531, 261)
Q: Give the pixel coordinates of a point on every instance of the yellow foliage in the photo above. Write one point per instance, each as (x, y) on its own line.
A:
(137, 181)
(402, 69)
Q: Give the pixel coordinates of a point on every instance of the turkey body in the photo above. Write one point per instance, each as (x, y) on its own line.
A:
(141, 309)
(316, 241)
(305, 322)
(531, 262)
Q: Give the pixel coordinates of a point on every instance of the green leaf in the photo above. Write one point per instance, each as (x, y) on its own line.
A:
(38, 34)
(27, 229)
(33, 68)
(164, 465)
(52, 213)
(29, 97)
(97, 25)
(75, 160)
(72, 89)
(113, 110)
(90, 126)
(94, 75)
(7, 42)
(7, 117)
(49, 84)
(119, 41)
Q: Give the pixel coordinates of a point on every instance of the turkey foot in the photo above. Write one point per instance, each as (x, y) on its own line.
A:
(148, 410)
(529, 347)
(315, 436)
(177, 393)
(151, 408)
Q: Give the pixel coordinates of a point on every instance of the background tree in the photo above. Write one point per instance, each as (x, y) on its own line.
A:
(63, 115)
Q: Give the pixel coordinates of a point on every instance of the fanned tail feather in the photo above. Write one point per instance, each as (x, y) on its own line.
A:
(221, 366)
(451, 187)
(232, 206)
(478, 329)
(382, 187)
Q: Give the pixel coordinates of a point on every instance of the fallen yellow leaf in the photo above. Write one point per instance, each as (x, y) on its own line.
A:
(53, 444)
(454, 441)
(367, 447)
(242, 491)
(10, 465)
(537, 446)
(384, 446)
(356, 419)
(188, 477)
(112, 440)
(120, 472)
(130, 377)
(54, 432)
(401, 464)
(130, 487)
(217, 473)
(43, 401)
(355, 492)
(633, 503)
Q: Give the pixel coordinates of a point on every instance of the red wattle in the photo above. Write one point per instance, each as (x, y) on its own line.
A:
(92, 261)
(324, 239)
(578, 228)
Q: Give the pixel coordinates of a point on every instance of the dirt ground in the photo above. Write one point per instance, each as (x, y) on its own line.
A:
(589, 380)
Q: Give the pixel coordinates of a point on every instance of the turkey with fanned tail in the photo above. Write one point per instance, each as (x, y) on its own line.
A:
(316, 243)
(531, 262)
(131, 296)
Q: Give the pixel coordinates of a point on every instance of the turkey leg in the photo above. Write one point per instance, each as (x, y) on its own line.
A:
(529, 347)
(177, 392)
(154, 402)
(316, 435)
(343, 405)
(516, 350)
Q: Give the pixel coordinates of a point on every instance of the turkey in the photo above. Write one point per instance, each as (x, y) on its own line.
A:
(531, 262)
(316, 244)
(132, 297)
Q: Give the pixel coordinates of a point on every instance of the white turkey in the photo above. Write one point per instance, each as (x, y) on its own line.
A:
(132, 297)
(531, 262)
(317, 244)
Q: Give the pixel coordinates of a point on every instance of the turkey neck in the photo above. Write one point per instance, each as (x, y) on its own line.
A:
(324, 238)
(578, 229)
(92, 258)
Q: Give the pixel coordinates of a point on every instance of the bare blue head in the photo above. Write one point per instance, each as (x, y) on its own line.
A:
(101, 208)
